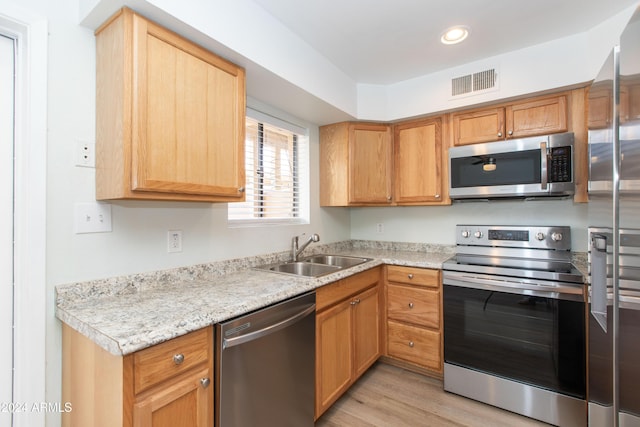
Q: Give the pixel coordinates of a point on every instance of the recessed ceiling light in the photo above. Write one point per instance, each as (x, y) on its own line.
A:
(455, 34)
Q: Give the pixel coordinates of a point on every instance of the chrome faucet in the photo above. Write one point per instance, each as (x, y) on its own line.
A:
(295, 250)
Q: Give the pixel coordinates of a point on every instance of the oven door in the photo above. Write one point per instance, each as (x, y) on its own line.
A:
(522, 333)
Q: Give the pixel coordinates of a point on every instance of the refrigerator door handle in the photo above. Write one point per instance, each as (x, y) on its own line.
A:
(599, 279)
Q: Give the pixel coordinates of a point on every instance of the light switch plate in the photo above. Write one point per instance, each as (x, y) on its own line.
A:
(92, 217)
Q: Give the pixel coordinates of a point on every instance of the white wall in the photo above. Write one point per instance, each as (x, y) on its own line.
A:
(323, 94)
(436, 224)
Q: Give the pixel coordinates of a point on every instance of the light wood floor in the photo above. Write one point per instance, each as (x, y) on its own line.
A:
(388, 396)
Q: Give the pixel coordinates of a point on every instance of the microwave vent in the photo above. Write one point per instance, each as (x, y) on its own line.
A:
(476, 82)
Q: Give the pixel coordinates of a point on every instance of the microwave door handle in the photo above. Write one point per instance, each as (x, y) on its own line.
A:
(543, 166)
(598, 272)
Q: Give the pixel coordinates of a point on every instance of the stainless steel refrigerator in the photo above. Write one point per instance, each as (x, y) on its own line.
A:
(614, 236)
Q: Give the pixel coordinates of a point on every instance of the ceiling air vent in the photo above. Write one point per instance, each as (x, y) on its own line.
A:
(476, 82)
(461, 85)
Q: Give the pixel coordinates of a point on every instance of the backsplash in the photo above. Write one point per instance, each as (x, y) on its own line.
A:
(131, 284)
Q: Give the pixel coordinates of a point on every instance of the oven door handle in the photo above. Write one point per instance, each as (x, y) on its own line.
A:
(514, 286)
(598, 272)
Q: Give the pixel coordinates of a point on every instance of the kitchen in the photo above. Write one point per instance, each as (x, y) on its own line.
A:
(138, 241)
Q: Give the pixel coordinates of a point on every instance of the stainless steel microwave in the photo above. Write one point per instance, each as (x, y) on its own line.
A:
(535, 167)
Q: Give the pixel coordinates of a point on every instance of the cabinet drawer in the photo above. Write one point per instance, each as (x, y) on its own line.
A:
(338, 291)
(160, 362)
(414, 276)
(414, 305)
(413, 344)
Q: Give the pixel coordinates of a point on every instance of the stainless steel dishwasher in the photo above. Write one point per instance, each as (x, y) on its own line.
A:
(265, 366)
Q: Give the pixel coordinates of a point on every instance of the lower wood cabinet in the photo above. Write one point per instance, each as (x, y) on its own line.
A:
(414, 317)
(170, 384)
(184, 402)
(348, 334)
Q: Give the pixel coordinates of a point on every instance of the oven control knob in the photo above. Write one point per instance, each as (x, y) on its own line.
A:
(540, 236)
(478, 234)
(556, 237)
(465, 233)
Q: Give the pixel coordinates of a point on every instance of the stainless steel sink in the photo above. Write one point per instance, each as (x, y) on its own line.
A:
(342, 261)
(304, 268)
(315, 265)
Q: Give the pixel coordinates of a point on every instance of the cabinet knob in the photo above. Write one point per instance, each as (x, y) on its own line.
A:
(510, 132)
(178, 358)
(388, 198)
(437, 196)
(499, 134)
(410, 276)
(410, 305)
(205, 382)
(411, 344)
(241, 190)
(355, 301)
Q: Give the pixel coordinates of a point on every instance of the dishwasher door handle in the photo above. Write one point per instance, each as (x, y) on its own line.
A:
(230, 342)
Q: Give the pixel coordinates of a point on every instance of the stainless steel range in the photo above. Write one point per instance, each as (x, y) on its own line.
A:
(514, 322)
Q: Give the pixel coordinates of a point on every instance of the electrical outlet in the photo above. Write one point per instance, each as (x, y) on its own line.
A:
(85, 154)
(379, 228)
(174, 241)
(92, 217)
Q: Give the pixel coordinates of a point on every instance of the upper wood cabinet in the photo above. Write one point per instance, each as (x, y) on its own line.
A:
(355, 164)
(419, 169)
(600, 108)
(600, 105)
(170, 116)
(536, 116)
(630, 89)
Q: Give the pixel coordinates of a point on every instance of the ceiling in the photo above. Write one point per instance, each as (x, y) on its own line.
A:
(384, 42)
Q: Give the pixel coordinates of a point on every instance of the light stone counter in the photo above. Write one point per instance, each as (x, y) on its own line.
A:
(127, 314)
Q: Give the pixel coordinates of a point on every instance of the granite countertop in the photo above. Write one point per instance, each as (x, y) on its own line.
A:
(130, 313)
(127, 314)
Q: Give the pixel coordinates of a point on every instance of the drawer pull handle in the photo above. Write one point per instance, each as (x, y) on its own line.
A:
(356, 301)
(410, 276)
(411, 344)
(178, 358)
(205, 382)
(410, 305)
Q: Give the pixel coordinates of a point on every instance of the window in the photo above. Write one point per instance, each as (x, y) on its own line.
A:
(276, 162)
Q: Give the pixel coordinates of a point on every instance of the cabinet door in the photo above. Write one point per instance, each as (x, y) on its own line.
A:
(366, 333)
(478, 126)
(188, 117)
(370, 163)
(418, 162)
(537, 117)
(633, 101)
(334, 354)
(185, 402)
(599, 109)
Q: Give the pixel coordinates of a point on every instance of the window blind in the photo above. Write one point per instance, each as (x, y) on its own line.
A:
(276, 180)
